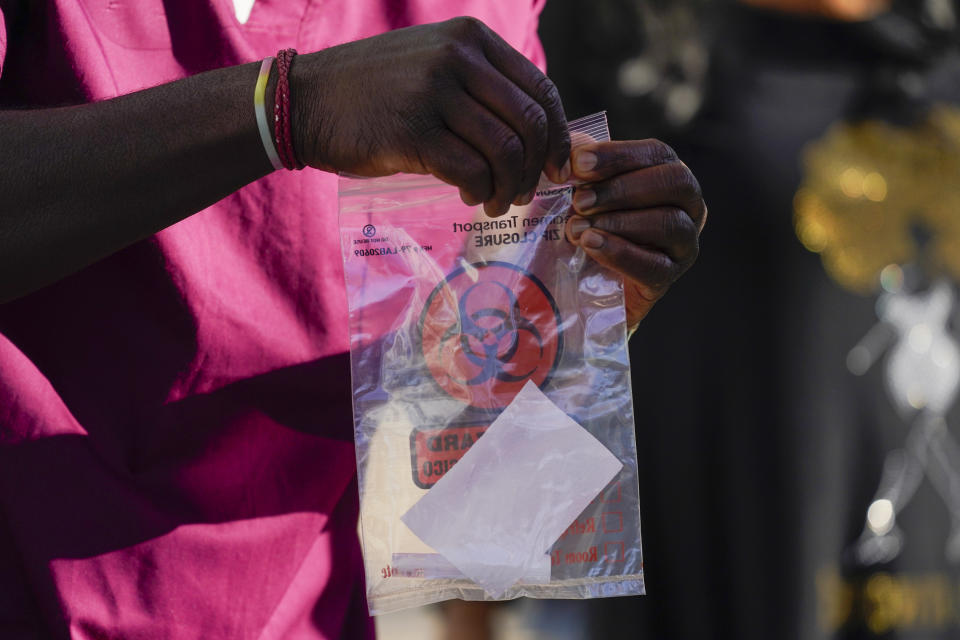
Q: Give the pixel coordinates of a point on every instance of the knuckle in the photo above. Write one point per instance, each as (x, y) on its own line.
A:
(536, 121)
(681, 233)
(616, 224)
(546, 93)
(466, 26)
(508, 147)
(452, 50)
(438, 77)
(658, 152)
(642, 154)
(677, 227)
(661, 271)
(612, 193)
(689, 182)
(680, 183)
(696, 191)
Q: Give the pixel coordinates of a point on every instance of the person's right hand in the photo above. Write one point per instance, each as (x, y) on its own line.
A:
(451, 99)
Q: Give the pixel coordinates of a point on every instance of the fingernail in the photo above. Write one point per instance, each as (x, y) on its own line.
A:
(586, 161)
(577, 226)
(584, 199)
(565, 172)
(592, 240)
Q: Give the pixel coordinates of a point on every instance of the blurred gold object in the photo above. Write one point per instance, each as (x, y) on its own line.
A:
(867, 188)
(837, 9)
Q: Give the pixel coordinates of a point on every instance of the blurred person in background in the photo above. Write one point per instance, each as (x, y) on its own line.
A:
(802, 478)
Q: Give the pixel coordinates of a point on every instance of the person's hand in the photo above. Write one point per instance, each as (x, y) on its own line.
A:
(640, 213)
(451, 99)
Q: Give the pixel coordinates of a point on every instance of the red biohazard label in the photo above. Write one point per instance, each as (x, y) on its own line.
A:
(433, 452)
(486, 330)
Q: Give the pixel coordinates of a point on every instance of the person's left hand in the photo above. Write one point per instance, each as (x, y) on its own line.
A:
(640, 213)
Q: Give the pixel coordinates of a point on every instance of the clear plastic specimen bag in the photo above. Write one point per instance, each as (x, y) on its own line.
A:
(491, 389)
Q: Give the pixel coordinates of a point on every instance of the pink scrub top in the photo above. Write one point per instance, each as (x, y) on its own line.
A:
(176, 454)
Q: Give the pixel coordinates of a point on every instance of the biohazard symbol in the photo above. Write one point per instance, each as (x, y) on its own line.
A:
(486, 330)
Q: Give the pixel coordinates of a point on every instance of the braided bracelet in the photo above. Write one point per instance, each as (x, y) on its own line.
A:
(281, 111)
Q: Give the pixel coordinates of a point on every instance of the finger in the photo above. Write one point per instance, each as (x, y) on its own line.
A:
(647, 272)
(457, 163)
(667, 229)
(497, 142)
(649, 267)
(525, 75)
(602, 160)
(671, 184)
(520, 112)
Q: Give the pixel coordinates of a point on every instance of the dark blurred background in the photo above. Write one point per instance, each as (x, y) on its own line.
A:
(795, 390)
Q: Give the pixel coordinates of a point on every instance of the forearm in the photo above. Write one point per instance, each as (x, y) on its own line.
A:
(79, 183)
(452, 99)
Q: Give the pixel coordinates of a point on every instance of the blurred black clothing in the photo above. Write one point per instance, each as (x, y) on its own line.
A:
(759, 451)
